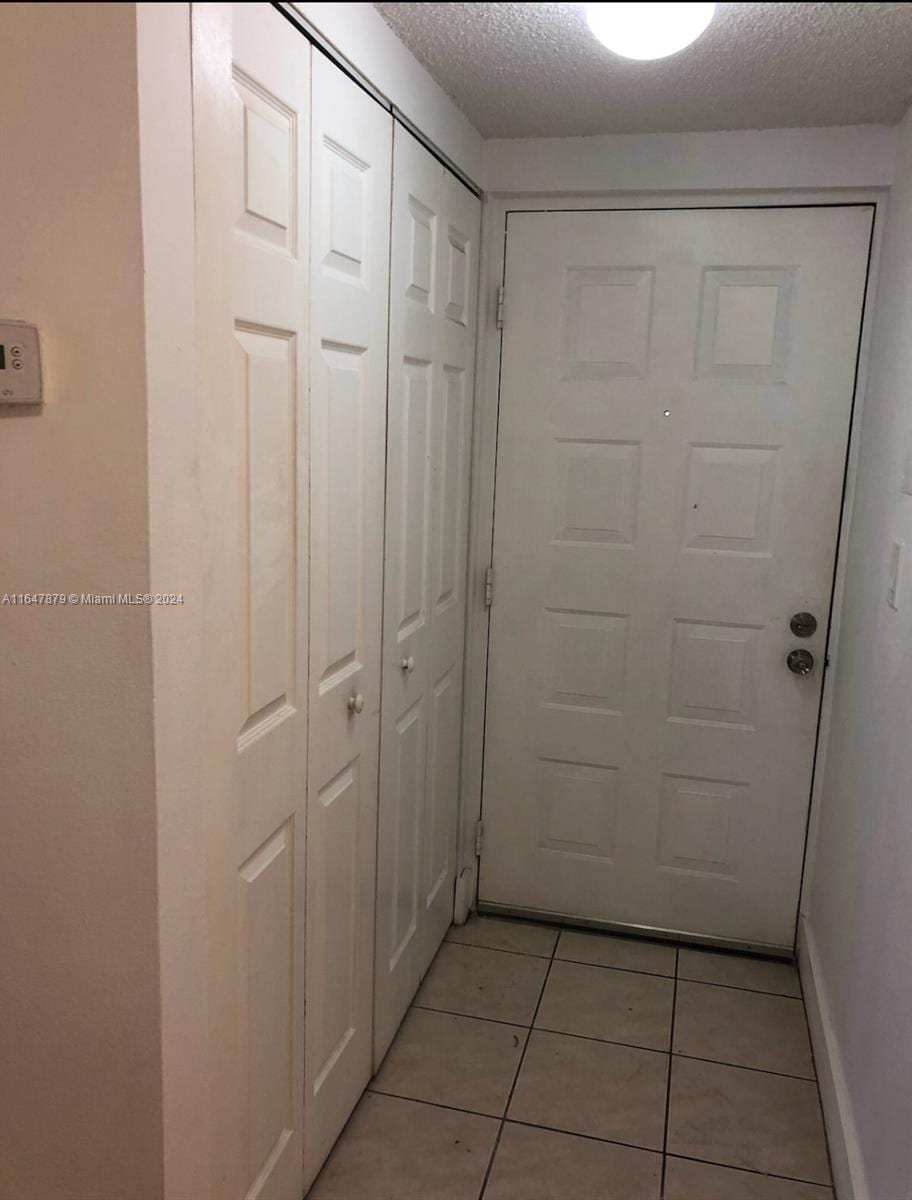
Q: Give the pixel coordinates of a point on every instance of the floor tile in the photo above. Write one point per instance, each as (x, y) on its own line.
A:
(483, 983)
(595, 1088)
(739, 970)
(741, 1118)
(598, 1002)
(536, 1164)
(458, 1061)
(748, 1029)
(400, 1149)
(604, 950)
(686, 1180)
(493, 933)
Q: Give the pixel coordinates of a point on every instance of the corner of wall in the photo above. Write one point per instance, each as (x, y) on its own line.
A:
(176, 564)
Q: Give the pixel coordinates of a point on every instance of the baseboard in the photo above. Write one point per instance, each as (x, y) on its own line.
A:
(464, 894)
(845, 1152)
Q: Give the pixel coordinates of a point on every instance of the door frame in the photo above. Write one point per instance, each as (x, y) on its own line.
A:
(497, 207)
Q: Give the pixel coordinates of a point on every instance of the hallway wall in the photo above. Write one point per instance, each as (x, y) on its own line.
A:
(724, 161)
(79, 985)
(858, 918)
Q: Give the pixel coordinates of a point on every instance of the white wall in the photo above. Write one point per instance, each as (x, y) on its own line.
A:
(768, 159)
(857, 927)
(361, 35)
(81, 1093)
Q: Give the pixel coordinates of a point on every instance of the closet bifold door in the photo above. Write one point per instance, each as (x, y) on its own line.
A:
(350, 203)
(251, 98)
(435, 230)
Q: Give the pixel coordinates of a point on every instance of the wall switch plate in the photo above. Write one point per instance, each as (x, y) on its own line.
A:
(20, 364)
(894, 579)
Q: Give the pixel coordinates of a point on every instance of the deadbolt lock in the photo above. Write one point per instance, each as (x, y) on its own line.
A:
(803, 624)
(800, 662)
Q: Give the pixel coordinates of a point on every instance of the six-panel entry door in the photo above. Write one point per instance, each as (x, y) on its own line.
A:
(676, 395)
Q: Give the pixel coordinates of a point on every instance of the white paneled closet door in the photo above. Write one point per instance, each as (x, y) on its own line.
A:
(351, 158)
(434, 257)
(251, 102)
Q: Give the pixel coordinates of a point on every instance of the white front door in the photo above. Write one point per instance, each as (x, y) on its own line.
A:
(432, 338)
(350, 198)
(676, 395)
(251, 108)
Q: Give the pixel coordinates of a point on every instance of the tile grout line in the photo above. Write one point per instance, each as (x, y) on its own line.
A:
(721, 1062)
(828, 1187)
(452, 1012)
(519, 1066)
(588, 1037)
(674, 1005)
(471, 1112)
(736, 987)
(496, 949)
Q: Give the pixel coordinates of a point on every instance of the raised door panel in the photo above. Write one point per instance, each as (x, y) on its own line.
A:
(268, 383)
(403, 896)
(351, 139)
(267, 922)
(412, 495)
(340, 396)
(441, 789)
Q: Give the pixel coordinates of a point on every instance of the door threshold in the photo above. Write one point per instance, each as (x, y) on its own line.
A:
(764, 949)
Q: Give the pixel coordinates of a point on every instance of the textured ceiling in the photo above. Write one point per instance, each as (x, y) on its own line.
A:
(535, 70)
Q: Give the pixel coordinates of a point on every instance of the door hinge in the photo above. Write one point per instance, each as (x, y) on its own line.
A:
(499, 321)
(489, 587)
(479, 838)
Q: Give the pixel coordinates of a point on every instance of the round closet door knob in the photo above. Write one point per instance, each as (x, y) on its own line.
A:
(800, 662)
(408, 664)
(356, 703)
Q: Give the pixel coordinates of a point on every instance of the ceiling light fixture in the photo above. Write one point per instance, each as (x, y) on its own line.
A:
(648, 30)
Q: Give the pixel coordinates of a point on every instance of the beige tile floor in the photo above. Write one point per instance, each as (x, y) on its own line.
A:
(539, 1064)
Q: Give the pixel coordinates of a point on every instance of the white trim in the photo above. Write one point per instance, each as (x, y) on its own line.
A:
(849, 1178)
(176, 557)
(847, 156)
(493, 248)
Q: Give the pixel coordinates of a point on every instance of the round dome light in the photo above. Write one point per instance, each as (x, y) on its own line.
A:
(648, 30)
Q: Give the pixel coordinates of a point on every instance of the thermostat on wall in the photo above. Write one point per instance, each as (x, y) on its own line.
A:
(20, 364)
